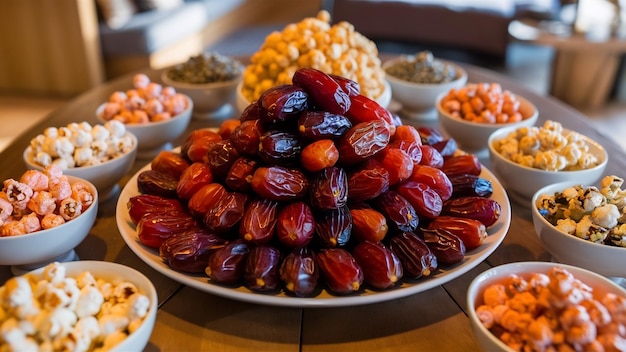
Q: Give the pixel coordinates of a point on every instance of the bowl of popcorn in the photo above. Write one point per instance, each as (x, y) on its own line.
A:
(210, 80)
(91, 305)
(544, 306)
(526, 159)
(313, 42)
(102, 154)
(44, 215)
(471, 113)
(417, 80)
(153, 113)
(583, 225)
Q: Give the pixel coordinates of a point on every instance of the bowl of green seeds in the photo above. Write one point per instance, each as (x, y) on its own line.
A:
(417, 80)
(210, 80)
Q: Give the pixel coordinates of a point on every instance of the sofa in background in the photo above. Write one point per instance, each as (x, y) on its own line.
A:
(476, 25)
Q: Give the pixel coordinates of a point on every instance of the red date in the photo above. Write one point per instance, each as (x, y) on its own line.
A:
(157, 183)
(299, 272)
(189, 251)
(295, 225)
(192, 179)
(367, 183)
(472, 232)
(154, 228)
(446, 246)
(416, 258)
(381, 267)
(485, 210)
(323, 90)
(279, 183)
(148, 203)
(363, 141)
(262, 267)
(400, 214)
(259, 221)
(341, 273)
(426, 202)
(462, 164)
(282, 103)
(329, 188)
(227, 263)
(228, 211)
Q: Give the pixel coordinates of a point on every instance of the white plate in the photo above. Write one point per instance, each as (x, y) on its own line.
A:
(324, 299)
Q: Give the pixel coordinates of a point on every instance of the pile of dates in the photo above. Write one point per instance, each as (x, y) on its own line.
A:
(314, 187)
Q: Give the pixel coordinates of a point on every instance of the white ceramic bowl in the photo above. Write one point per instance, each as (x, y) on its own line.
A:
(242, 102)
(418, 99)
(521, 182)
(472, 136)
(210, 100)
(156, 136)
(137, 340)
(104, 176)
(30, 251)
(568, 249)
(488, 341)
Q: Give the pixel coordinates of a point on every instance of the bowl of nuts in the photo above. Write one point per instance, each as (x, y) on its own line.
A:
(544, 306)
(417, 80)
(102, 306)
(313, 42)
(471, 113)
(526, 159)
(210, 80)
(101, 154)
(44, 216)
(582, 225)
(153, 113)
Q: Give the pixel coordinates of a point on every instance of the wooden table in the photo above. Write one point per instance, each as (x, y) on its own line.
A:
(192, 320)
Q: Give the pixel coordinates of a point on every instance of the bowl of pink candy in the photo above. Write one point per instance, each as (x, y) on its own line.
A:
(154, 113)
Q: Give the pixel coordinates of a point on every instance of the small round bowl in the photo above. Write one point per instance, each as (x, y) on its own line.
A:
(210, 100)
(472, 136)
(488, 341)
(104, 176)
(521, 182)
(30, 251)
(568, 249)
(418, 99)
(242, 102)
(137, 340)
(153, 137)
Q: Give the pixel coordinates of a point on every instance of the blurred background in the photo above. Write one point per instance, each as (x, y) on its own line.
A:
(52, 51)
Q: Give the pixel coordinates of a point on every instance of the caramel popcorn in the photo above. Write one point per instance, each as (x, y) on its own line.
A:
(313, 42)
(553, 312)
(547, 148)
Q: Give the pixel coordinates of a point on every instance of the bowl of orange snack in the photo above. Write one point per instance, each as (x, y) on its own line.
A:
(313, 42)
(154, 113)
(44, 215)
(471, 113)
(545, 306)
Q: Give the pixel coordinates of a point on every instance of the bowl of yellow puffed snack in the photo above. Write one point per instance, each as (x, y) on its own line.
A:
(313, 42)
(526, 159)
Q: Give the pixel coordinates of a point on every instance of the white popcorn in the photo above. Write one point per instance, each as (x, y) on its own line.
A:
(83, 156)
(81, 138)
(80, 144)
(52, 312)
(17, 292)
(111, 323)
(51, 132)
(42, 158)
(89, 301)
(100, 133)
(117, 128)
